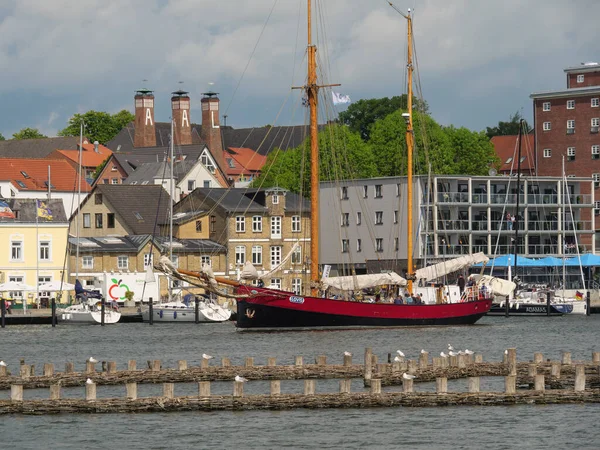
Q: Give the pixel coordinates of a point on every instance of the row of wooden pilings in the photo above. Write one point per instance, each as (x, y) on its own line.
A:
(537, 374)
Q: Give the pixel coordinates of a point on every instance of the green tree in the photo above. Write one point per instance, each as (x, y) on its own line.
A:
(361, 115)
(508, 128)
(473, 152)
(28, 133)
(2, 138)
(99, 126)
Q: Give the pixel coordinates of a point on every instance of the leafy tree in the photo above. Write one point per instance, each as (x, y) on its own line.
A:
(508, 128)
(99, 126)
(2, 138)
(361, 115)
(28, 133)
(473, 152)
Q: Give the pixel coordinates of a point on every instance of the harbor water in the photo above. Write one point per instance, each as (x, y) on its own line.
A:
(529, 427)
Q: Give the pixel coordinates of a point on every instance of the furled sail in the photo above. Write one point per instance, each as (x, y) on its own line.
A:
(452, 265)
(497, 286)
(358, 282)
(249, 272)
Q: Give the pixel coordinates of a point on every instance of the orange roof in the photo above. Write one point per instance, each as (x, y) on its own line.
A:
(243, 160)
(506, 147)
(89, 158)
(32, 174)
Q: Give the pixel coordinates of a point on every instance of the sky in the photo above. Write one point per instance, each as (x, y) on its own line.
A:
(478, 60)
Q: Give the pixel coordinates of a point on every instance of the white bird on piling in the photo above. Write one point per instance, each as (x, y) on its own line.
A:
(2, 363)
(453, 353)
(89, 381)
(460, 352)
(400, 353)
(408, 376)
(506, 352)
(443, 355)
(423, 351)
(92, 359)
(241, 379)
(347, 354)
(450, 347)
(397, 359)
(469, 352)
(205, 356)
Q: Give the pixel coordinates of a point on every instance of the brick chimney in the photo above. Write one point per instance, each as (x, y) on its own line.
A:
(145, 134)
(180, 105)
(211, 130)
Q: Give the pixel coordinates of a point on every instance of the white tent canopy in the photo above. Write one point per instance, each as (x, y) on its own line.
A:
(56, 285)
(16, 286)
(358, 282)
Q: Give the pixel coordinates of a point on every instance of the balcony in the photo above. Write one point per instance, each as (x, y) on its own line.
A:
(453, 197)
(452, 225)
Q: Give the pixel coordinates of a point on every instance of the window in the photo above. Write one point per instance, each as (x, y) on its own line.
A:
(276, 227)
(345, 245)
(113, 169)
(570, 104)
(122, 262)
(15, 294)
(571, 153)
(596, 208)
(379, 244)
(546, 106)
(275, 199)
(595, 125)
(213, 224)
(240, 254)
(257, 224)
(365, 191)
(110, 220)
(570, 126)
(297, 286)
(358, 218)
(509, 160)
(547, 126)
(595, 102)
(205, 160)
(87, 262)
(175, 261)
(296, 228)
(378, 217)
(345, 219)
(395, 216)
(276, 283)
(148, 259)
(275, 256)
(596, 178)
(191, 185)
(358, 245)
(595, 151)
(547, 152)
(240, 224)
(396, 244)
(580, 78)
(98, 220)
(378, 193)
(114, 181)
(16, 251)
(398, 190)
(138, 216)
(44, 251)
(344, 193)
(206, 183)
(98, 199)
(205, 261)
(297, 255)
(87, 220)
(198, 226)
(257, 255)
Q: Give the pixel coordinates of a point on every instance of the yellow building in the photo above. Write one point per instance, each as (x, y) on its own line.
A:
(34, 234)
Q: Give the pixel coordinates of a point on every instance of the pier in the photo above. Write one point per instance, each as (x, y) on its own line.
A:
(536, 381)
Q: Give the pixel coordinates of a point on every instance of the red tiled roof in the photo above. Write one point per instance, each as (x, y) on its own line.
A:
(32, 173)
(506, 147)
(89, 158)
(244, 160)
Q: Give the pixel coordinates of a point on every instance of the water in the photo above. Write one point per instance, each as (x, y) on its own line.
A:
(530, 427)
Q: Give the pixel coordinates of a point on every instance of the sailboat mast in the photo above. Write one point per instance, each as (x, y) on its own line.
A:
(172, 196)
(409, 153)
(516, 248)
(312, 91)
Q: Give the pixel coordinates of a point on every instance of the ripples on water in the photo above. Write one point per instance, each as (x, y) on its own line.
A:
(530, 427)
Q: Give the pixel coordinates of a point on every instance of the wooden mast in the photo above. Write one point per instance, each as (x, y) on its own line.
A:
(409, 153)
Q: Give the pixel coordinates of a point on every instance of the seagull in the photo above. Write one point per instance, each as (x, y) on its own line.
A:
(2, 363)
(408, 376)
(92, 359)
(89, 381)
(469, 352)
(242, 379)
(347, 354)
(451, 353)
(400, 353)
(460, 352)
(450, 347)
(423, 351)
(205, 356)
(443, 355)
(506, 352)
(397, 359)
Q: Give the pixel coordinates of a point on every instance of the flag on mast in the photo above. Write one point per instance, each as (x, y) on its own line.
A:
(43, 211)
(5, 211)
(339, 99)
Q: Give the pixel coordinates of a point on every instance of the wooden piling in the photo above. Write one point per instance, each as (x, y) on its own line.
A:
(396, 367)
(596, 357)
(32, 370)
(539, 383)
(368, 367)
(90, 392)
(112, 367)
(462, 361)
(204, 389)
(512, 361)
(249, 361)
(69, 367)
(168, 390)
(436, 362)
(473, 384)
(275, 387)
(298, 361)
(225, 362)
(309, 387)
(345, 386)
(131, 391)
(579, 378)
(510, 384)
(321, 360)
(90, 367)
(54, 391)
(238, 388)
(347, 360)
(412, 366)
(376, 386)
(182, 365)
(16, 392)
(441, 385)
(423, 360)
(478, 358)
(453, 361)
(555, 370)
(382, 369)
(25, 371)
(156, 365)
(48, 369)
(532, 370)
(271, 362)
(407, 385)
(566, 358)
(131, 365)
(538, 358)
(3, 371)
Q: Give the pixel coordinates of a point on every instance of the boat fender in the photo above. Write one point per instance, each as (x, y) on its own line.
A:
(174, 314)
(160, 313)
